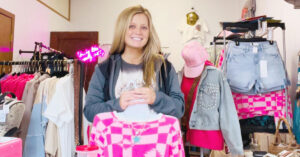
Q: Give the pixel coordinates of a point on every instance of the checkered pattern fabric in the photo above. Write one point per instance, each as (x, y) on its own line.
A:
(272, 104)
(115, 138)
(220, 60)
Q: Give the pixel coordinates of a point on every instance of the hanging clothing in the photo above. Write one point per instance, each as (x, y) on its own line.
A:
(196, 32)
(52, 142)
(214, 52)
(15, 84)
(13, 117)
(253, 68)
(210, 139)
(30, 91)
(272, 104)
(215, 110)
(61, 112)
(115, 137)
(34, 143)
(249, 9)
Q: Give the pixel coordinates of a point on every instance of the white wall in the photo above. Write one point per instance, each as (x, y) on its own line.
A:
(33, 22)
(279, 9)
(100, 15)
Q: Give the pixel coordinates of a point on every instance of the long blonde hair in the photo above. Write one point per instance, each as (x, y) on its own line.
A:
(151, 49)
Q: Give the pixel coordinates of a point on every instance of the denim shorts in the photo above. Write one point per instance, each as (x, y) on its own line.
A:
(253, 68)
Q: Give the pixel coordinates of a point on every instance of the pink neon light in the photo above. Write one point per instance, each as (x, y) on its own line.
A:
(91, 54)
(4, 49)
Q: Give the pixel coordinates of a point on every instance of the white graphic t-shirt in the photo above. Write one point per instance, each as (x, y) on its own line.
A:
(130, 78)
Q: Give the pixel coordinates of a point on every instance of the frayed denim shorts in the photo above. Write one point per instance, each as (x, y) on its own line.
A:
(253, 68)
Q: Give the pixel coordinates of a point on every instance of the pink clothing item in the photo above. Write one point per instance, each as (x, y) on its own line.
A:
(221, 58)
(194, 56)
(208, 63)
(15, 84)
(114, 137)
(249, 106)
(210, 139)
(272, 104)
(4, 82)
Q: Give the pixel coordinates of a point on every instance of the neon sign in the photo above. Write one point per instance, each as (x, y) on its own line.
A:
(91, 54)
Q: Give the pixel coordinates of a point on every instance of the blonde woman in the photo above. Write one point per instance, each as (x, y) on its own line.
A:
(135, 73)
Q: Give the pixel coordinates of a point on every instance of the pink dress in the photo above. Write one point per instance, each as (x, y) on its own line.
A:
(117, 138)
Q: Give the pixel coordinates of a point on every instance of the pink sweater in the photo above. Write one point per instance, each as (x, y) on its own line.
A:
(117, 138)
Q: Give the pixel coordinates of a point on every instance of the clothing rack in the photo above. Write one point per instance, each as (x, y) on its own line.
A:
(78, 90)
(41, 46)
(69, 61)
(46, 47)
(253, 26)
(248, 25)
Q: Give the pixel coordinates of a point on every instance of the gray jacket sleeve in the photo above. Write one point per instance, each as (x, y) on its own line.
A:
(172, 104)
(229, 122)
(94, 101)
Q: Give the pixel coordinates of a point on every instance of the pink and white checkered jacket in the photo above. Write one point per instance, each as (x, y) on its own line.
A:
(115, 138)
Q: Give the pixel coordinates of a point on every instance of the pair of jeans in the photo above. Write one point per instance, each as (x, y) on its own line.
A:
(253, 68)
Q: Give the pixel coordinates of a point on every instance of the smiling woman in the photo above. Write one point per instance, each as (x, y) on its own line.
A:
(137, 34)
(131, 87)
(135, 64)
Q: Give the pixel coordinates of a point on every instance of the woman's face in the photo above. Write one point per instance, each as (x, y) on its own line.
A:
(137, 34)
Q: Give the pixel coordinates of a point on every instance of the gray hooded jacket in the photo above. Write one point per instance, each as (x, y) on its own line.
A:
(171, 104)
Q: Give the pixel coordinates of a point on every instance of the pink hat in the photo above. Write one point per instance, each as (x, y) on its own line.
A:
(194, 56)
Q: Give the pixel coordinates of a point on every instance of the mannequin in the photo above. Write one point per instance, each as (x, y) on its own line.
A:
(206, 105)
(144, 114)
(194, 78)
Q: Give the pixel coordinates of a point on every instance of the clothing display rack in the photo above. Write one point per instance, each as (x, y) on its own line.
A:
(37, 62)
(246, 26)
(79, 71)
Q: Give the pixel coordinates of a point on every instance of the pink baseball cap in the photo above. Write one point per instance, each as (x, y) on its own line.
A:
(194, 56)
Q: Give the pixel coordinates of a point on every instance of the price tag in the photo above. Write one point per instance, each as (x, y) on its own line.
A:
(255, 49)
(6, 109)
(263, 68)
(270, 34)
(264, 26)
(2, 116)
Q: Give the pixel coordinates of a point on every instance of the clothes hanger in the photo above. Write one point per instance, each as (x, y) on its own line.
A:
(58, 69)
(254, 39)
(2, 72)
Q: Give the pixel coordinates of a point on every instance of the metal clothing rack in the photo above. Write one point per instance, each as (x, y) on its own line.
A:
(36, 62)
(253, 26)
(78, 80)
(40, 45)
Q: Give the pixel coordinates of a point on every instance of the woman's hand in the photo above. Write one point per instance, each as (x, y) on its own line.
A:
(146, 94)
(128, 98)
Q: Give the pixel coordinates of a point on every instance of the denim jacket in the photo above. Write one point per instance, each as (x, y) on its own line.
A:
(214, 109)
